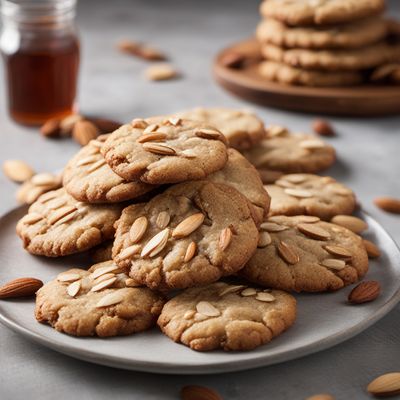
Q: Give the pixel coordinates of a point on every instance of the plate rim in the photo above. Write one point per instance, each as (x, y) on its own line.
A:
(217, 367)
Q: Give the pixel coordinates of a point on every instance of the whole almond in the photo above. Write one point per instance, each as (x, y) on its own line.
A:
(323, 127)
(20, 287)
(194, 392)
(232, 59)
(67, 124)
(84, 132)
(389, 204)
(51, 128)
(17, 170)
(385, 385)
(161, 72)
(372, 249)
(105, 125)
(322, 396)
(364, 292)
(353, 224)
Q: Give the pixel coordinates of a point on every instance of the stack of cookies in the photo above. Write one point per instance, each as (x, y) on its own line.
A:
(325, 42)
(185, 235)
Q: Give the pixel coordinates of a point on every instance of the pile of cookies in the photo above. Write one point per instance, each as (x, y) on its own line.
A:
(327, 42)
(185, 235)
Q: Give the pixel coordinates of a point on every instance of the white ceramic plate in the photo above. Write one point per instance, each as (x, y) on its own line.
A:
(323, 319)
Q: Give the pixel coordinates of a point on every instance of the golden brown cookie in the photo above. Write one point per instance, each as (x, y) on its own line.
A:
(243, 129)
(291, 152)
(241, 174)
(334, 60)
(192, 234)
(87, 177)
(307, 194)
(98, 302)
(351, 35)
(304, 254)
(171, 151)
(282, 73)
(231, 317)
(58, 225)
(320, 12)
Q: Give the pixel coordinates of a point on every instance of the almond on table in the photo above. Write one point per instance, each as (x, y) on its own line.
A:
(161, 72)
(141, 50)
(21, 287)
(389, 204)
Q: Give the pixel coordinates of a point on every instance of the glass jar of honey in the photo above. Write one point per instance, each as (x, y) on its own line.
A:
(40, 48)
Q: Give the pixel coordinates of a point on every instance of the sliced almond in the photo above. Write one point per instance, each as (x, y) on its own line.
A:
(103, 285)
(129, 252)
(131, 282)
(96, 165)
(104, 277)
(313, 231)
(163, 219)
(110, 299)
(298, 193)
(277, 130)
(206, 308)
(295, 178)
(151, 137)
(56, 203)
(284, 184)
(248, 292)
(385, 385)
(266, 297)
(138, 229)
(188, 153)
(104, 270)
(225, 239)
(190, 252)
(67, 218)
(74, 288)
(354, 224)
(334, 263)
(312, 144)
(372, 249)
(60, 213)
(230, 289)
(68, 277)
(156, 244)
(44, 179)
(139, 123)
(31, 218)
(87, 160)
(338, 251)
(189, 314)
(17, 170)
(272, 227)
(188, 225)
(308, 219)
(158, 148)
(175, 121)
(208, 134)
(264, 239)
(288, 253)
(151, 128)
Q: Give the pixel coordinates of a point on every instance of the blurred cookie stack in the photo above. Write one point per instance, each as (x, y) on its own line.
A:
(327, 42)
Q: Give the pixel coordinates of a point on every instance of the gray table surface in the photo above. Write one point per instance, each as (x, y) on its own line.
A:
(112, 85)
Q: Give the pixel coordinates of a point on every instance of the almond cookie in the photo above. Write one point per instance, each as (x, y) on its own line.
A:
(307, 194)
(290, 153)
(334, 59)
(171, 151)
(231, 317)
(58, 225)
(87, 177)
(242, 129)
(98, 302)
(352, 35)
(192, 234)
(320, 12)
(241, 174)
(282, 73)
(304, 254)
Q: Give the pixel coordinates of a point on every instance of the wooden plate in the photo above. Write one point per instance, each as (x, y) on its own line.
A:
(247, 83)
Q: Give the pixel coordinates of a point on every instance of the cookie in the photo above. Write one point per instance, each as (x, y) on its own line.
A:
(352, 35)
(320, 12)
(98, 302)
(172, 151)
(292, 152)
(87, 177)
(241, 174)
(386, 72)
(242, 129)
(304, 254)
(58, 225)
(307, 194)
(334, 59)
(282, 73)
(102, 253)
(192, 234)
(231, 317)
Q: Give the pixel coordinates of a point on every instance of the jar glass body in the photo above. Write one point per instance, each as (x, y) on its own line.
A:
(40, 49)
